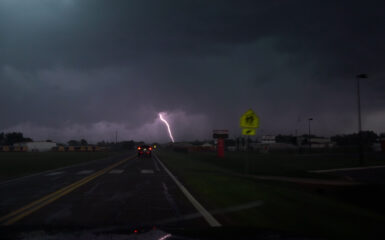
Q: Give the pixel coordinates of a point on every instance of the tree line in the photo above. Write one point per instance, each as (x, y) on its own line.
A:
(367, 139)
(13, 137)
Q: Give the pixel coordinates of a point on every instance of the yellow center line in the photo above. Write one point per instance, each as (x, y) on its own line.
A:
(42, 199)
(36, 205)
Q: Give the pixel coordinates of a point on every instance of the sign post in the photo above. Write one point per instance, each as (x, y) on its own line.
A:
(220, 135)
(249, 122)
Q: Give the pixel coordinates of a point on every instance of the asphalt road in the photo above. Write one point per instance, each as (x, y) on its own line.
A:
(118, 191)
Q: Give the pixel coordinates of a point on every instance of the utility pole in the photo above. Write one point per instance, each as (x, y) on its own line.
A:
(360, 148)
(309, 139)
(116, 137)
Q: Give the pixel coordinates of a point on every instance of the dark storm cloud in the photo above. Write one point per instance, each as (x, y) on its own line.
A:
(68, 65)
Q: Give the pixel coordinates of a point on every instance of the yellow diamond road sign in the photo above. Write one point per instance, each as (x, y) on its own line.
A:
(249, 120)
(248, 131)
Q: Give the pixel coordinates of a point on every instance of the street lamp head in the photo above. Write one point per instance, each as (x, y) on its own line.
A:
(310, 119)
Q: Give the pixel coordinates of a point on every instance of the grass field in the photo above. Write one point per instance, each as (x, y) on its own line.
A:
(16, 164)
(285, 164)
(286, 207)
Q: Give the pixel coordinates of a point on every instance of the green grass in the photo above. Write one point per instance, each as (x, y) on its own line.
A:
(286, 207)
(17, 164)
(285, 164)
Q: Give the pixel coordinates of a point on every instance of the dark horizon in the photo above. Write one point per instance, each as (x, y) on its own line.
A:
(351, 137)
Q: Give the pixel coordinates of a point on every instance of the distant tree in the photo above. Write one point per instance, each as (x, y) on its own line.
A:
(48, 140)
(197, 142)
(83, 142)
(13, 137)
(102, 143)
(73, 143)
(128, 144)
(290, 139)
(368, 138)
(307, 135)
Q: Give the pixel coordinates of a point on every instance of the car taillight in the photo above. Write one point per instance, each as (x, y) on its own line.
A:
(138, 148)
(150, 148)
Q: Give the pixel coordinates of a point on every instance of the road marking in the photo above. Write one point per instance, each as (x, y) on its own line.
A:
(36, 205)
(51, 170)
(116, 171)
(147, 171)
(165, 187)
(164, 237)
(85, 172)
(54, 173)
(346, 169)
(237, 208)
(206, 214)
(170, 200)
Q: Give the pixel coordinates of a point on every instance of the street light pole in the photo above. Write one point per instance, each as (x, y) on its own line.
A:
(361, 153)
(309, 140)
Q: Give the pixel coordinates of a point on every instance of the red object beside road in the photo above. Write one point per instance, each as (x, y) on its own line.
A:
(221, 147)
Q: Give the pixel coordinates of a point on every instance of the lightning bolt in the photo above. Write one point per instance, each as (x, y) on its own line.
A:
(168, 126)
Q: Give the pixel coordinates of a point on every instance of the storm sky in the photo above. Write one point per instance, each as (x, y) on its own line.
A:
(84, 69)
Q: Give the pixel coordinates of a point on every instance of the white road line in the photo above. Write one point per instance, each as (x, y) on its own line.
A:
(146, 171)
(345, 169)
(85, 172)
(165, 187)
(217, 211)
(206, 214)
(54, 173)
(116, 171)
(171, 200)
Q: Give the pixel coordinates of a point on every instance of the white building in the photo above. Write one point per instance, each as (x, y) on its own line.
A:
(268, 139)
(267, 147)
(208, 145)
(316, 142)
(37, 146)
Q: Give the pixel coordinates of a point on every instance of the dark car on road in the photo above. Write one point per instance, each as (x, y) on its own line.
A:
(144, 151)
